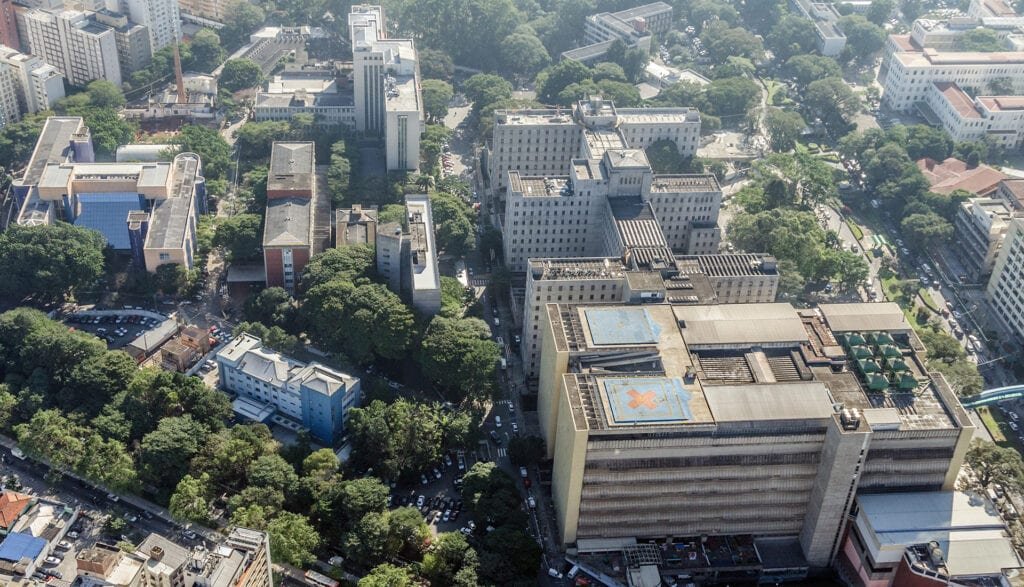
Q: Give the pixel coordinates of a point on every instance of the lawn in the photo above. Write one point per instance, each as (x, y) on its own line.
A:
(989, 419)
(855, 228)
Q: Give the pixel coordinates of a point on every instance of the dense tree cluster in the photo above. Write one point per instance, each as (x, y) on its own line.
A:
(49, 261)
(460, 357)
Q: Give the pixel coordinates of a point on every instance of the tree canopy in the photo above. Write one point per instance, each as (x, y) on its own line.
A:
(239, 74)
(49, 261)
(459, 356)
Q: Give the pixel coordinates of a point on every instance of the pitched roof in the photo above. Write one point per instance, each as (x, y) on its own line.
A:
(953, 174)
(12, 505)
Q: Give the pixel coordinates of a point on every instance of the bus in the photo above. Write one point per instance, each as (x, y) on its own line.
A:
(320, 580)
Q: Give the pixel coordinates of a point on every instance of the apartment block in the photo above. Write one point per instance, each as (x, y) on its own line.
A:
(979, 229)
(160, 17)
(134, 46)
(266, 383)
(543, 142)
(730, 425)
(81, 48)
(1005, 291)
(38, 84)
(10, 87)
(569, 216)
(824, 17)
(288, 224)
(386, 87)
(217, 10)
(639, 279)
(407, 256)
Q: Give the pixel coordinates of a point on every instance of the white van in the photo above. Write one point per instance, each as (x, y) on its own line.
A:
(497, 421)
(573, 572)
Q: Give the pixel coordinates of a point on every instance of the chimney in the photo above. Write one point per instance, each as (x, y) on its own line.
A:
(178, 78)
(156, 553)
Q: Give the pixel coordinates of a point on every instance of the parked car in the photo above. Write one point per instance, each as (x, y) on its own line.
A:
(495, 438)
(523, 472)
(52, 560)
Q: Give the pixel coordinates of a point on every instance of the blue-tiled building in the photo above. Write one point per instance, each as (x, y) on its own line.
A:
(315, 395)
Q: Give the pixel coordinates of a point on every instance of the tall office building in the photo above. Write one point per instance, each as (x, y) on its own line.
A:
(73, 42)
(8, 25)
(134, 49)
(407, 258)
(161, 17)
(734, 425)
(40, 85)
(217, 10)
(10, 111)
(385, 80)
(1005, 290)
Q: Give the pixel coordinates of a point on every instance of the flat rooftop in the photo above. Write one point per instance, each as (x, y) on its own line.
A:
(603, 139)
(740, 324)
(657, 115)
(620, 326)
(865, 317)
(645, 11)
(168, 223)
(424, 251)
(288, 223)
(575, 269)
(291, 166)
(536, 186)
(734, 265)
(533, 116)
(53, 145)
(931, 57)
(402, 94)
(645, 400)
(699, 182)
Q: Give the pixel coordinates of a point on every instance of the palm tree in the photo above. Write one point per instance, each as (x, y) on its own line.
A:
(425, 182)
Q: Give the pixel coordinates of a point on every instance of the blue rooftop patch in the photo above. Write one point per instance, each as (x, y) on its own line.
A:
(646, 400)
(17, 546)
(621, 326)
(108, 214)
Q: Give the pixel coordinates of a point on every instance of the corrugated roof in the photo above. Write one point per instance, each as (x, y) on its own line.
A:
(740, 324)
(772, 401)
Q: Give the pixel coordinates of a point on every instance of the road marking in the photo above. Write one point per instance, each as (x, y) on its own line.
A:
(502, 452)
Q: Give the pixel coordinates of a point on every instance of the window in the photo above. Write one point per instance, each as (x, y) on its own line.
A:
(165, 256)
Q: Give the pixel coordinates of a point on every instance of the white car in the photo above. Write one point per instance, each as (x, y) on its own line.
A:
(420, 500)
(52, 560)
(531, 502)
(523, 473)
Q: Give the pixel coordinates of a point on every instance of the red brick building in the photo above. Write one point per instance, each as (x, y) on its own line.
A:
(288, 226)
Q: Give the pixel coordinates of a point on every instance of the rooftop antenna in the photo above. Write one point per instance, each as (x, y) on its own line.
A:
(178, 78)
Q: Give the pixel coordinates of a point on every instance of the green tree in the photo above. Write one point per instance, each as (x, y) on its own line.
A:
(453, 297)
(95, 381)
(166, 452)
(664, 157)
(942, 346)
(397, 438)
(1001, 86)
(292, 539)
(362, 321)
(49, 261)
(50, 435)
(453, 222)
(784, 128)
(387, 575)
(995, 464)
(346, 263)
(607, 70)
(206, 51)
(459, 356)
(108, 463)
(271, 471)
(524, 54)
(863, 38)
(484, 89)
(435, 64)
(242, 19)
(436, 96)
(239, 74)
(408, 534)
(103, 94)
(551, 81)
(448, 555)
(806, 68)
(18, 139)
(274, 336)
(832, 101)
(926, 141)
(723, 42)
(792, 35)
(339, 174)
(526, 451)
(254, 139)
(240, 236)
(363, 496)
(211, 147)
(880, 10)
(926, 231)
(191, 499)
(732, 96)
(511, 553)
(273, 306)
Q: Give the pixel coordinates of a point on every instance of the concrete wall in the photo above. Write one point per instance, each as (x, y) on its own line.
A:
(553, 365)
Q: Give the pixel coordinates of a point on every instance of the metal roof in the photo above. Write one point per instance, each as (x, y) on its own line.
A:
(740, 324)
(885, 316)
(771, 401)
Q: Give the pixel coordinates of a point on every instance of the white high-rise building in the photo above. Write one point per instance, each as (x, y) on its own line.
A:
(9, 110)
(385, 81)
(161, 17)
(39, 84)
(82, 49)
(1006, 286)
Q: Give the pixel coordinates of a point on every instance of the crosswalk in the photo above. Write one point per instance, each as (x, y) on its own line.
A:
(479, 282)
(502, 452)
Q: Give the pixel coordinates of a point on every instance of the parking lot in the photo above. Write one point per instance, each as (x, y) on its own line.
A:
(438, 491)
(117, 328)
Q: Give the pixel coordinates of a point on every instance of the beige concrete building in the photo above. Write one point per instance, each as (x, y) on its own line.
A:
(544, 142)
(638, 279)
(691, 424)
(407, 256)
(577, 215)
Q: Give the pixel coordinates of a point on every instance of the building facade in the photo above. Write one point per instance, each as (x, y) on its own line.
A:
(824, 17)
(386, 87)
(217, 10)
(911, 74)
(160, 17)
(39, 84)
(267, 382)
(543, 142)
(1005, 291)
(82, 49)
(407, 258)
(695, 423)
(979, 229)
(999, 119)
(289, 220)
(570, 216)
